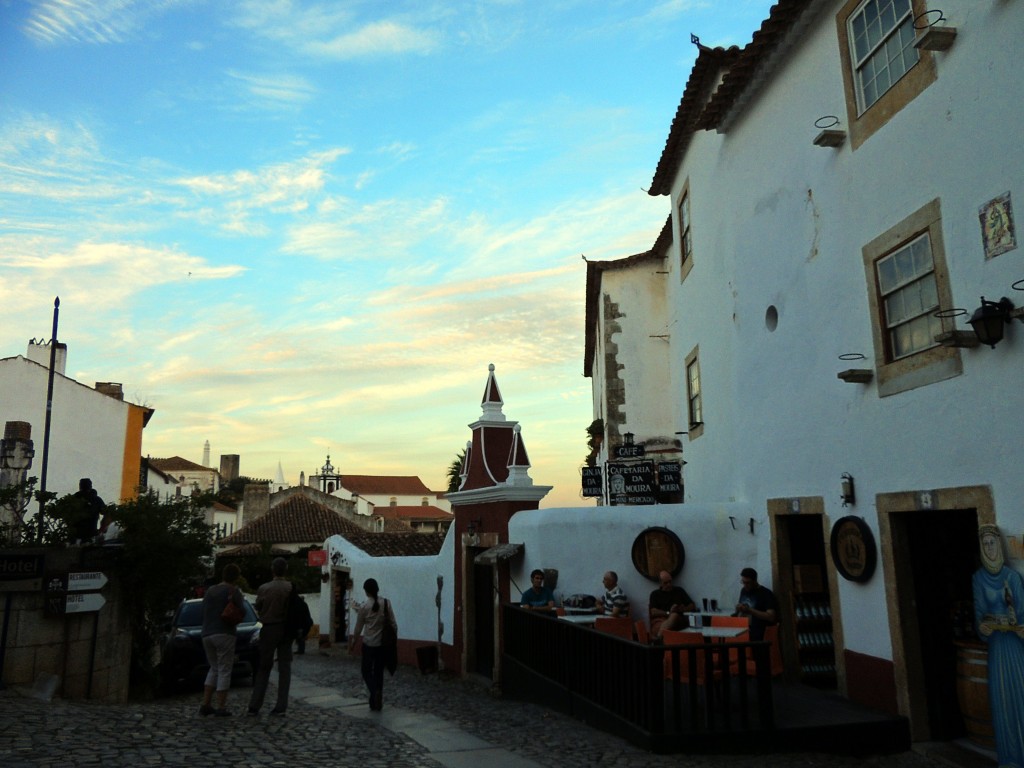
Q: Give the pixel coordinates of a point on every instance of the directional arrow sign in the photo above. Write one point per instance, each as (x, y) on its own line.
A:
(86, 581)
(87, 603)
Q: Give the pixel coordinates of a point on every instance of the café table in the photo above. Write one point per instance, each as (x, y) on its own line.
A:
(721, 634)
(582, 619)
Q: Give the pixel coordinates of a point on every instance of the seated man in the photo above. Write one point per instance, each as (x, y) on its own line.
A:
(756, 602)
(538, 596)
(614, 602)
(667, 606)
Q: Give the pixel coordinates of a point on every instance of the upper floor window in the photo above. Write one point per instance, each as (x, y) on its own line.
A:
(906, 282)
(685, 236)
(882, 70)
(882, 37)
(694, 399)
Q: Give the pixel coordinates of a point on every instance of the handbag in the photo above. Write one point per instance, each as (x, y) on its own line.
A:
(232, 613)
(389, 640)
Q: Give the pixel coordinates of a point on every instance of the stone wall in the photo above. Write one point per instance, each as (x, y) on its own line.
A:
(88, 653)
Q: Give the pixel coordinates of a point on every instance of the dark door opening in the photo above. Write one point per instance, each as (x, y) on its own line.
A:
(812, 632)
(483, 618)
(943, 554)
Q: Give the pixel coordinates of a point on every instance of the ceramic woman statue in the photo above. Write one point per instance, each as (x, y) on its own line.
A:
(998, 602)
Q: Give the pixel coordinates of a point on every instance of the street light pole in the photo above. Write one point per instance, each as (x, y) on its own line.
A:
(46, 427)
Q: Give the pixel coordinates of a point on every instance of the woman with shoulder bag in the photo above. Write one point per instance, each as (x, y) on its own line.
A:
(219, 625)
(376, 625)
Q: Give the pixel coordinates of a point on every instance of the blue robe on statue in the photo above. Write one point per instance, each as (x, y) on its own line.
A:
(1005, 658)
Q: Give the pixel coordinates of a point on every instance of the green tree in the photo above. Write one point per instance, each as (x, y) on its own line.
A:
(595, 437)
(455, 471)
(166, 549)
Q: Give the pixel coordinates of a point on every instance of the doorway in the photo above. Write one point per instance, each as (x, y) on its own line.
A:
(935, 556)
(483, 619)
(805, 603)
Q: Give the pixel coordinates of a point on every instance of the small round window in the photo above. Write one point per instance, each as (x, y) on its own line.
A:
(771, 318)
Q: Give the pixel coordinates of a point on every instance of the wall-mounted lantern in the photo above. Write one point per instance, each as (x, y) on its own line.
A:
(846, 490)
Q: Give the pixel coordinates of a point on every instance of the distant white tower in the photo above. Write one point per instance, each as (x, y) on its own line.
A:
(279, 484)
(206, 453)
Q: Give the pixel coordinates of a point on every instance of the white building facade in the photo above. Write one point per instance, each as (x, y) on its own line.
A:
(833, 207)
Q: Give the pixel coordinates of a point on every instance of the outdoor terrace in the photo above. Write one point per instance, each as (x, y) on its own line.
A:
(627, 688)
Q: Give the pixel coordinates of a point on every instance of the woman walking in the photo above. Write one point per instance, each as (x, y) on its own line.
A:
(372, 618)
(219, 640)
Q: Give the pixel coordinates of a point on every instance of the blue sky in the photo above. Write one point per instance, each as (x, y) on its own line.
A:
(298, 227)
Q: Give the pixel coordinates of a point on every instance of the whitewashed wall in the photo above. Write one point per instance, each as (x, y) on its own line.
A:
(583, 543)
(409, 582)
(779, 221)
(87, 431)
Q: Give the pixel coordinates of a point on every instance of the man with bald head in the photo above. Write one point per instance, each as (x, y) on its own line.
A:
(667, 606)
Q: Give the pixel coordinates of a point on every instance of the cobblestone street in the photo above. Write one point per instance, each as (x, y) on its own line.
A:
(433, 720)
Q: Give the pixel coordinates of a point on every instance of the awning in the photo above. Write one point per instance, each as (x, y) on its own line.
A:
(498, 553)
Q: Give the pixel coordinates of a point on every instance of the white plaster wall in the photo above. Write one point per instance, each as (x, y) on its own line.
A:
(779, 221)
(87, 431)
(583, 543)
(409, 582)
(640, 295)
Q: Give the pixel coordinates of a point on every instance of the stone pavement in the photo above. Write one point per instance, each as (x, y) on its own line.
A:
(428, 720)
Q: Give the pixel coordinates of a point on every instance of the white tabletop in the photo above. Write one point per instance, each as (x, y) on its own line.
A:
(722, 632)
(580, 618)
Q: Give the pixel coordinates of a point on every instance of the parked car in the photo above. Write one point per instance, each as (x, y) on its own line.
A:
(182, 658)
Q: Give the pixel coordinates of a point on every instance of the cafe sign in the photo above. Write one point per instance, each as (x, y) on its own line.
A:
(632, 484)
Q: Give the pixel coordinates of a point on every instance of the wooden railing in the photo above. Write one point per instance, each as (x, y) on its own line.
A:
(621, 686)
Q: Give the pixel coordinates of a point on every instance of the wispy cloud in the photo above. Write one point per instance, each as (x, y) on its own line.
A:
(92, 21)
(275, 90)
(333, 31)
(282, 188)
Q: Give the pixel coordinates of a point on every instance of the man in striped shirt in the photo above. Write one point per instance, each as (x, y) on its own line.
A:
(614, 602)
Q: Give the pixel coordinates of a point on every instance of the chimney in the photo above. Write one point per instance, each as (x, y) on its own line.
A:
(206, 454)
(229, 465)
(39, 352)
(110, 389)
(256, 501)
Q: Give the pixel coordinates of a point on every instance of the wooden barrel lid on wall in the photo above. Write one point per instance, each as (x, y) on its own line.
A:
(656, 550)
(972, 692)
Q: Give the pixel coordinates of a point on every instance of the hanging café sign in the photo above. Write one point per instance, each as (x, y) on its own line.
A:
(636, 482)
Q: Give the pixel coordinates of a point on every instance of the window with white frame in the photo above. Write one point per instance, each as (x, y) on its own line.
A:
(882, 47)
(906, 285)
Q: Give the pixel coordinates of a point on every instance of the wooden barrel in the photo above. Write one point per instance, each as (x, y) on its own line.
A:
(972, 693)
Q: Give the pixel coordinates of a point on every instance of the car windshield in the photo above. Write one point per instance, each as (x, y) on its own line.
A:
(191, 614)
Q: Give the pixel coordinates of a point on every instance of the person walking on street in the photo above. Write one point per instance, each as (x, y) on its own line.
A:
(305, 624)
(371, 619)
(219, 640)
(272, 607)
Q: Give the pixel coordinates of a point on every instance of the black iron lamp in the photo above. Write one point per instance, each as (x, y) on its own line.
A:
(628, 437)
(988, 320)
(846, 490)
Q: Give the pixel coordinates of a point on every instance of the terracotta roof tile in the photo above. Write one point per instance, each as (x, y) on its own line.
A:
(410, 512)
(298, 520)
(388, 485)
(178, 464)
(782, 18)
(703, 76)
(409, 544)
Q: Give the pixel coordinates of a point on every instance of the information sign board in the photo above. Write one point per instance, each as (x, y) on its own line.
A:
(592, 482)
